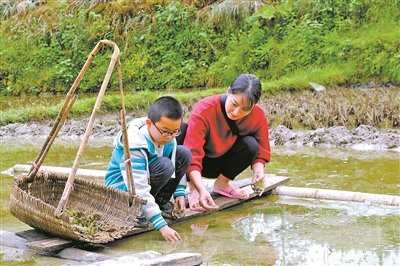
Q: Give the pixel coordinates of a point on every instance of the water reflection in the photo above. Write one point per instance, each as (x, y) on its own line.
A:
(252, 226)
(312, 232)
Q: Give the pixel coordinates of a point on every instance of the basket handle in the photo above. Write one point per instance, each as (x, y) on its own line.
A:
(62, 115)
(114, 60)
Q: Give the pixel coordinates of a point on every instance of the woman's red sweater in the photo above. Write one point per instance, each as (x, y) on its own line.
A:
(208, 133)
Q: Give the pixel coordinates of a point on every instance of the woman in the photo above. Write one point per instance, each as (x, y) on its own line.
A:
(226, 134)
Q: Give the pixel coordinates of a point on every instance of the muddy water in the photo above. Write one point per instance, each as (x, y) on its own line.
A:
(273, 230)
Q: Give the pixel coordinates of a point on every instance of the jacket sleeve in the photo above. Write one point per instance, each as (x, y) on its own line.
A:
(262, 137)
(195, 139)
(180, 189)
(151, 210)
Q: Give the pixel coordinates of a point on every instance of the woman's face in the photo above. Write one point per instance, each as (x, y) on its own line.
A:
(237, 106)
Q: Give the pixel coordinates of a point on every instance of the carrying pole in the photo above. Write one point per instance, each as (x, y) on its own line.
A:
(114, 60)
(52, 136)
(127, 154)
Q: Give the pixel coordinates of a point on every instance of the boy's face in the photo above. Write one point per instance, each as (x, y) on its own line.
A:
(158, 130)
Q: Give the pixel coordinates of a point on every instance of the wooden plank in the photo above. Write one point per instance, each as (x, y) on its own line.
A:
(81, 255)
(9, 239)
(34, 235)
(43, 242)
(152, 258)
(176, 259)
(12, 240)
(51, 244)
(272, 181)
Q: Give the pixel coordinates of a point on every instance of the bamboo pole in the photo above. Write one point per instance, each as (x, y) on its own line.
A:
(62, 115)
(127, 153)
(340, 195)
(81, 173)
(114, 59)
(70, 181)
(127, 160)
(52, 136)
(300, 192)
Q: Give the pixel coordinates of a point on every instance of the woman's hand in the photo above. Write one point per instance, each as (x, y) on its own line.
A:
(196, 186)
(258, 183)
(206, 201)
(169, 234)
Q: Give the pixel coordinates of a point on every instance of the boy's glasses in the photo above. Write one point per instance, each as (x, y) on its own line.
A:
(166, 133)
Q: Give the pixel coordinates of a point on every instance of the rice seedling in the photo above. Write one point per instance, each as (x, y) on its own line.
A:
(302, 110)
(84, 223)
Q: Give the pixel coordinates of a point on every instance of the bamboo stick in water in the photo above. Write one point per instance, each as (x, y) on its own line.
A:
(340, 195)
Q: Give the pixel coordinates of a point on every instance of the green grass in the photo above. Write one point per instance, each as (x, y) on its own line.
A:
(295, 109)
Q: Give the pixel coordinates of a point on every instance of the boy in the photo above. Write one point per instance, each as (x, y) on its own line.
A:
(158, 163)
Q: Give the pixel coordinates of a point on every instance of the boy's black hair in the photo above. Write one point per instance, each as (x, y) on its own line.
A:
(165, 106)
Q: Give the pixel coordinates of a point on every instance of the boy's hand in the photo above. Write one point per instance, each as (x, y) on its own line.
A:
(179, 203)
(179, 208)
(169, 234)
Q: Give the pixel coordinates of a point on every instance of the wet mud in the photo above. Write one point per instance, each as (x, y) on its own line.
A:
(107, 126)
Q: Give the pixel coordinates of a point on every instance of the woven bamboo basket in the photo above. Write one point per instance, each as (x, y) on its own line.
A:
(70, 207)
(34, 201)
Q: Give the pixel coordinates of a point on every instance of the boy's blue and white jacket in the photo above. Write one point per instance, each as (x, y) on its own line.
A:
(142, 150)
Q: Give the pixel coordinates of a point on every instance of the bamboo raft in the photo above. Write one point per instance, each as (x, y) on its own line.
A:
(47, 242)
(275, 186)
(316, 193)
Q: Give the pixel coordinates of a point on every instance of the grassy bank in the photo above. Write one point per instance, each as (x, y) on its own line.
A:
(198, 44)
(169, 46)
(306, 109)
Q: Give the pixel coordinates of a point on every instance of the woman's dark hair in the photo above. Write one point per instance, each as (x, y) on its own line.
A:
(165, 106)
(249, 85)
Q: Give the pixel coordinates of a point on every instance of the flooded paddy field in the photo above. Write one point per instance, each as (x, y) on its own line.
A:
(270, 230)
